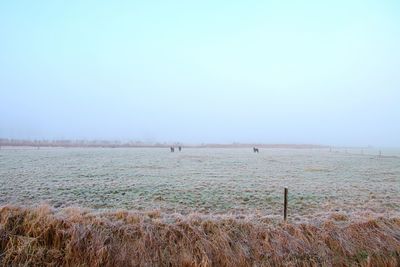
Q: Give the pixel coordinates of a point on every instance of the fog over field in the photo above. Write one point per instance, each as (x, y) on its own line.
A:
(254, 72)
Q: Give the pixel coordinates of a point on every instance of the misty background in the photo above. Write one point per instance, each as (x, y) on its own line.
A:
(246, 71)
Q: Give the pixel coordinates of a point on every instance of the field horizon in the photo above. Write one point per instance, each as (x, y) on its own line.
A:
(84, 143)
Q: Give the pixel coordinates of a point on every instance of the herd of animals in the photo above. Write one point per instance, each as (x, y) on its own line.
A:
(173, 148)
(255, 149)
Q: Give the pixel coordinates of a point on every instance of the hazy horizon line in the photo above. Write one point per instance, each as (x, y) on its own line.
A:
(141, 143)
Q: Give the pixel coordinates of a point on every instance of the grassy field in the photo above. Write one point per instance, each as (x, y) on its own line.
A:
(210, 181)
(198, 207)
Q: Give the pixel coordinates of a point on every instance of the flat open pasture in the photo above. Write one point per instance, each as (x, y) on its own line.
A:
(205, 180)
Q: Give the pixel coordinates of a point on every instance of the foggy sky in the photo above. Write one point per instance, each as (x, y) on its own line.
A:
(255, 71)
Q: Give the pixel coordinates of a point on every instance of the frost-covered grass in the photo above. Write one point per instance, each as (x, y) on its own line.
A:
(73, 237)
(216, 181)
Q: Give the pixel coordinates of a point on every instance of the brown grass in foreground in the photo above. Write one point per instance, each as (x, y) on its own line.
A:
(71, 237)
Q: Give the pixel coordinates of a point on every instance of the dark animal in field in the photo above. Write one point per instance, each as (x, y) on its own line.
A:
(255, 150)
(180, 148)
(172, 149)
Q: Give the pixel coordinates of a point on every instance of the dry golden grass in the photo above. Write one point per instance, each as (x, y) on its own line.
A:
(72, 237)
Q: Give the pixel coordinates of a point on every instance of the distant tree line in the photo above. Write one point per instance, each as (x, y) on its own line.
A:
(112, 144)
(77, 143)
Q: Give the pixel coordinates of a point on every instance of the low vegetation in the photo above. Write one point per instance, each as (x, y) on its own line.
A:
(44, 236)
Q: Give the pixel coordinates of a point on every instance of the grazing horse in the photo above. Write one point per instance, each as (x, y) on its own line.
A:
(255, 150)
(172, 149)
(180, 148)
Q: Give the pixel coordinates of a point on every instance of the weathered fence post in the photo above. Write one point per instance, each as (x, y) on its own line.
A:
(285, 204)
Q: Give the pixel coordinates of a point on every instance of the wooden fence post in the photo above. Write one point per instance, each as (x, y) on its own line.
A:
(285, 204)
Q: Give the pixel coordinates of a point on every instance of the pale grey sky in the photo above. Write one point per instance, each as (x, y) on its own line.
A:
(246, 71)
